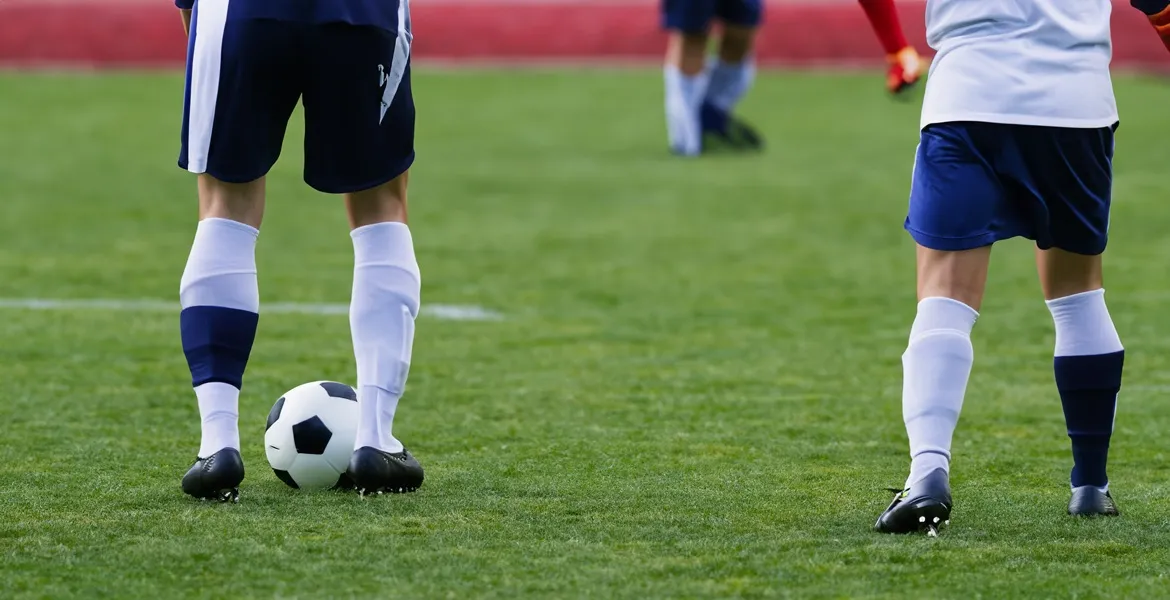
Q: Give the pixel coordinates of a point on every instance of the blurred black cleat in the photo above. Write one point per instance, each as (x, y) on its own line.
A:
(216, 477)
(375, 472)
(723, 130)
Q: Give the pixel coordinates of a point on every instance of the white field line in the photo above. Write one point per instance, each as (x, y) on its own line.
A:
(447, 312)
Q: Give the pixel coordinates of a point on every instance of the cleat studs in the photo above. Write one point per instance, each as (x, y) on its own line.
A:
(922, 519)
(931, 532)
(936, 520)
(947, 522)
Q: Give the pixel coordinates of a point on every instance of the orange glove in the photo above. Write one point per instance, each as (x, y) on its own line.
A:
(1159, 13)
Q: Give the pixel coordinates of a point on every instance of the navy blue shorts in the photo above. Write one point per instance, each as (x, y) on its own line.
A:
(245, 76)
(978, 183)
(696, 16)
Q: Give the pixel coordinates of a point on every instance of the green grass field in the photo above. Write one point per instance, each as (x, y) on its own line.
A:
(694, 392)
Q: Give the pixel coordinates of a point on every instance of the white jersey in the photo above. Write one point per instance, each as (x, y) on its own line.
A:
(1020, 62)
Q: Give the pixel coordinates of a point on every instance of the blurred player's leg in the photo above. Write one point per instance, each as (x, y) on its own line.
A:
(239, 98)
(686, 83)
(731, 74)
(905, 66)
(359, 141)
(687, 23)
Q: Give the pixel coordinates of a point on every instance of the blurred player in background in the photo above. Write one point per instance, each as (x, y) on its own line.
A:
(701, 94)
(701, 97)
(1017, 140)
(248, 64)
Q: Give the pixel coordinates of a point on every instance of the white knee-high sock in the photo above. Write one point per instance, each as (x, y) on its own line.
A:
(684, 98)
(936, 366)
(729, 82)
(386, 297)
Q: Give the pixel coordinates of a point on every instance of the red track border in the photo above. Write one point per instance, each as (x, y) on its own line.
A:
(135, 33)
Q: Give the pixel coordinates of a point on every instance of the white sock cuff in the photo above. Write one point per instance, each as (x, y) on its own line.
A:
(692, 87)
(1083, 325)
(938, 313)
(221, 269)
(218, 223)
(386, 244)
(1075, 301)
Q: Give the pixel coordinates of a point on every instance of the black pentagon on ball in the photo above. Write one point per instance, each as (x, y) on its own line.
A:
(285, 477)
(311, 436)
(274, 414)
(339, 390)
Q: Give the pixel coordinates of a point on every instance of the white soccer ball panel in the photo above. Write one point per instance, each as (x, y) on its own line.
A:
(302, 402)
(340, 449)
(314, 472)
(278, 445)
(341, 417)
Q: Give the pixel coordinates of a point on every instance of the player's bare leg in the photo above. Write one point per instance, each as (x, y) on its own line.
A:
(686, 86)
(936, 366)
(905, 66)
(731, 74)
(385, 303)
(220, 309)
(1088, 365)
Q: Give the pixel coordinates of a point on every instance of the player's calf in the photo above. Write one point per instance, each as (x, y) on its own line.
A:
(385, 302)
(1088, 363)
(936, 366)
(220, 303)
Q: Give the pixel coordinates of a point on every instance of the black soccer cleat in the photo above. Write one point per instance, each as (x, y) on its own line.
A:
(924, 507)
(1090, 501)
(735, 135)
(726, 131)
(216, 477)
(376, 472)
(743, 136)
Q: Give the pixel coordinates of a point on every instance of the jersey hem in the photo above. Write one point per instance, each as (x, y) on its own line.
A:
(1009, 119)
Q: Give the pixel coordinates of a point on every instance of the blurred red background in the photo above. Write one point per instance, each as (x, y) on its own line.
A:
(802, 32)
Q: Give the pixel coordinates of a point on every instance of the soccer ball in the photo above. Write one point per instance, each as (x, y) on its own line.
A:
(310, 435)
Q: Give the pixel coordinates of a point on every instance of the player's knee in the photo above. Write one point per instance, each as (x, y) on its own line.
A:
(382, 204)
(241, 202)
(687, 51)
(736, 44)
(960, 275)
(1064, 273)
